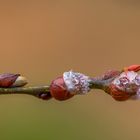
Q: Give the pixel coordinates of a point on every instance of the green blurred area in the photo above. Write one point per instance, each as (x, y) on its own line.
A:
(41, 40)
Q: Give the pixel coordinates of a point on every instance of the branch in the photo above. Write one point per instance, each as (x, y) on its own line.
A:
(39, 90)
(94, 84)
(25, 90)
(59, 89)
(121, 85)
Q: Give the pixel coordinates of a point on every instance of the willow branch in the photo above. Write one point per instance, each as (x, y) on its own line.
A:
(25, 90)
(121, 85)
(94, 84)
(100, 84)
(59, 88)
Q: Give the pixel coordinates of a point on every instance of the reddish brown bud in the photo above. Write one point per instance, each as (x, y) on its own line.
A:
(125, 86)
(59, 90)
(12, 80)
(118, 94)
(70, 84)
(135, 68)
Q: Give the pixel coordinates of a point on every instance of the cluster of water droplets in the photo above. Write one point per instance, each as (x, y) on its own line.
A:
(76, 83)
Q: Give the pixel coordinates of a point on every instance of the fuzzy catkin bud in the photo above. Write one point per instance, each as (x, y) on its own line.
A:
(125, 86)
(70, 84)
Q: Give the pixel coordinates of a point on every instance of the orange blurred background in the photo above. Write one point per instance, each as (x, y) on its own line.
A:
(42, 39)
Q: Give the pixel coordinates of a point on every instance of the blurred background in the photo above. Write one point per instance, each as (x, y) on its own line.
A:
(42, 39)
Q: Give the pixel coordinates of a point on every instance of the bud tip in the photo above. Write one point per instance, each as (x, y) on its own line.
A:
(20, 81)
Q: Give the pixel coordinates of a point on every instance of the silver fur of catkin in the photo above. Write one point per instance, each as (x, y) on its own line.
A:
(76, 83)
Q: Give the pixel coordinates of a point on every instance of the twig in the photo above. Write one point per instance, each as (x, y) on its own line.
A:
(25, 90)
(9, 83)
(121, 85)
(35, 90)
